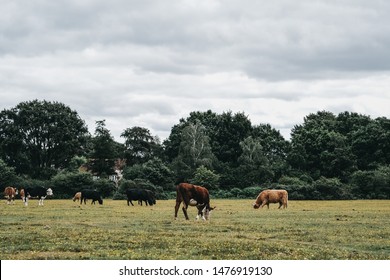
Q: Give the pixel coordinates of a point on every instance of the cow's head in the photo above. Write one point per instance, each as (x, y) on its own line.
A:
(206, 211)
(100, 200)
(256, 205)
(49, 191)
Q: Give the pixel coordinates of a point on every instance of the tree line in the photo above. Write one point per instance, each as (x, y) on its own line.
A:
(329, 156)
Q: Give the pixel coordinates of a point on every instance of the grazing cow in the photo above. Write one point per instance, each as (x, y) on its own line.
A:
(77, 196)
(9, 194)
(271, 196)
(140, 195)
(39, 192)
(193, 195)
(90, 194)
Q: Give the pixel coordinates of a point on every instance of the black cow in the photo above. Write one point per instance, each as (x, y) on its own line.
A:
(90, 194)
(140, 195)
(39, 192)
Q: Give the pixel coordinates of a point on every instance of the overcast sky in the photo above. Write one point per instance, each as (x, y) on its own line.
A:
(150, 63)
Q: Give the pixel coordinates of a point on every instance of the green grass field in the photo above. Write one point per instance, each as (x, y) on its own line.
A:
(306, 230)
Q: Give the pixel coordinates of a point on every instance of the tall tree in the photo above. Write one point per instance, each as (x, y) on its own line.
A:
(195, 150)
(105, 151)
(254, 166)
(319, 149)
(371, 144)
(208, 119)
(231, 129)
(140, 145)
(275, 148)
(40, 137)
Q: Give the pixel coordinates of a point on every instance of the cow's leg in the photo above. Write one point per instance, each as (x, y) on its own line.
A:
(177, 206)
(185, 206)
(200, 214)
(280, 204)
(25, 201)
(131, 203)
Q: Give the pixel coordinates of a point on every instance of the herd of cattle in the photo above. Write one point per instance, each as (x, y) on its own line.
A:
(188, 194)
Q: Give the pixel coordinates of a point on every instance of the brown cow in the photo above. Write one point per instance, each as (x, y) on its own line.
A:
(77, 196)
(9, 194)
(271, 196)
(193, 195)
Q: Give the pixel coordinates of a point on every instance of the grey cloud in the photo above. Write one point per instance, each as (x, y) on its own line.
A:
(152, 62)
(282, 40)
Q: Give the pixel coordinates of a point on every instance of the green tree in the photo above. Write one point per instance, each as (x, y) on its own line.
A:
(254, 166)
(105, 151)
(275, 148)
(230, 131)
(372, 183)
(195, 150)
(206, 178)
(371, 144)
(208, 119)
(40, 137)
(7, 175)
(319, 149)
(140, 145)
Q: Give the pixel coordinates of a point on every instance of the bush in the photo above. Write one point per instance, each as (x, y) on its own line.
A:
(143, 184)
(119, 196)
(250, 192)
(372, 184)
(291, 181)
(65, 185)
(206, 178)
(330, 188)
(104, 186)
(7, 175)
(154, 171)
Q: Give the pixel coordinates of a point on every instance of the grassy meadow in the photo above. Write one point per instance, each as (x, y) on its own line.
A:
(325, 230)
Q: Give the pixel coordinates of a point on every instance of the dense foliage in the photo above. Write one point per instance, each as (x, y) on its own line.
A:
(344, 156)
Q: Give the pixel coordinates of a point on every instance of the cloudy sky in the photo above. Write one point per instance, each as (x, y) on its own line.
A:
(150, 63)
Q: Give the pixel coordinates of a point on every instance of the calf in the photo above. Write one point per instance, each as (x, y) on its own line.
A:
(22, 194)
(9, 194)
(193, 195)
(90, 194)
(39, 192)
(77, 196)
